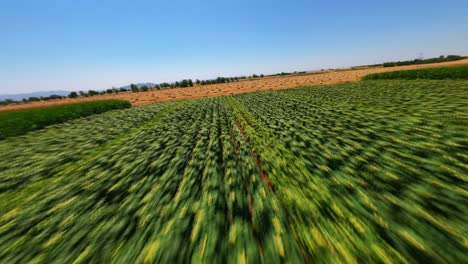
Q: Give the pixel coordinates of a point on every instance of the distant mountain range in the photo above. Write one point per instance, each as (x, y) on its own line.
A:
(139, 85)
(21, 96)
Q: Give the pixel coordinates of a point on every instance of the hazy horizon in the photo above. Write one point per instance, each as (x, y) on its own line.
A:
(84, 45)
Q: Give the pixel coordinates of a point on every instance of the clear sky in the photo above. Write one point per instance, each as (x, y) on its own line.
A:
(97, 44)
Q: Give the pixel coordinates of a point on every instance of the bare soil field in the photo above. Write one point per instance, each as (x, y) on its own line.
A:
(245, 86)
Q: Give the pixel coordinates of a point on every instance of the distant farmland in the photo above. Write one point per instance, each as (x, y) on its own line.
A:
(365, 172)
(260, 84)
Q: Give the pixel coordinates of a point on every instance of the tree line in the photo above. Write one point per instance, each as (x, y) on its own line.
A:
(32, 99)
(189, 83)
(135, 88)
(441, 58)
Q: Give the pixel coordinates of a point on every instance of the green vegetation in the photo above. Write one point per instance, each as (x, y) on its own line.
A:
(460, 72)
(134, 88)
(32, 99)
(73, 95)
(20, 122)
(7, 102)
(369, 172)
(424, 61)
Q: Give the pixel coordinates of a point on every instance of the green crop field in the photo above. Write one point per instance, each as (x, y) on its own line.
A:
(367, 172)
(449, 73)
(19, 122)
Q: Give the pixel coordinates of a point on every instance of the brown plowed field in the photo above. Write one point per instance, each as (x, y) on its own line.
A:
(268, 83)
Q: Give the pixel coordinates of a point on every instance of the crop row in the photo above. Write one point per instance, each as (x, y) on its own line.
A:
(460, 72)
(360, 172)
(36, 155)
(374, 178)
(161, 193)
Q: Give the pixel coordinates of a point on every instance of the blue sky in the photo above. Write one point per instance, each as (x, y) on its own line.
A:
(81, 44)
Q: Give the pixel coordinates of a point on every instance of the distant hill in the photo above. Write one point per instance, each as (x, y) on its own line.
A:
(139, 85)
(19, 97)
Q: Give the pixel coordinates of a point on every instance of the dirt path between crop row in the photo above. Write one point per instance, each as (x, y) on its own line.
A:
(262, 84)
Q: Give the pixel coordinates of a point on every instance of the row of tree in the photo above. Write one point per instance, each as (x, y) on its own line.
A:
(135, 88)
(57, 97)
(32, 99)
(189, 83)
(424, 61)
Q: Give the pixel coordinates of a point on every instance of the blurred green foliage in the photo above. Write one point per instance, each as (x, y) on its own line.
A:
(431, 73)
(19, 122)
(368, 172)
